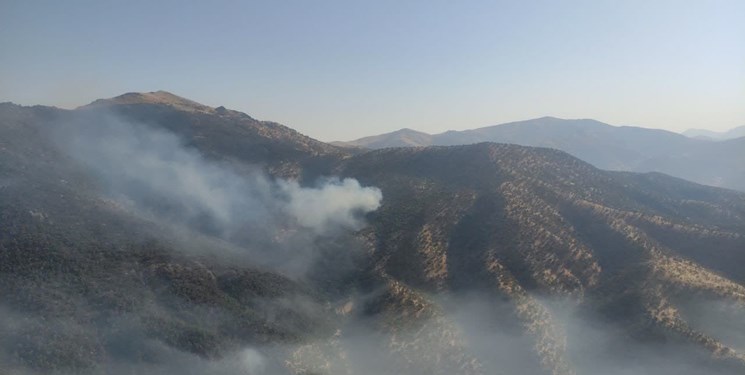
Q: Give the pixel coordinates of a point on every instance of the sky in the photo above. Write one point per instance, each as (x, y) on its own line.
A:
(343, 69)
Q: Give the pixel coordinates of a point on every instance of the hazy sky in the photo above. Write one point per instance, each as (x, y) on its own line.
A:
(343, 69)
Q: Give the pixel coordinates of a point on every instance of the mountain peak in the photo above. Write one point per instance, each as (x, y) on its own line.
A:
(154, 97)
(404, 137)
(408, 131)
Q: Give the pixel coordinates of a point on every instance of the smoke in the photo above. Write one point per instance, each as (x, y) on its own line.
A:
(719, 317)
(593, 344)
(251, 361)
(485, 327)
(244, 362)
(155, 173)
(337, 203)
(286, 225)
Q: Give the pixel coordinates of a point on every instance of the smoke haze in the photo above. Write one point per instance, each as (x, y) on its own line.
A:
(289, 226)
(153, 172)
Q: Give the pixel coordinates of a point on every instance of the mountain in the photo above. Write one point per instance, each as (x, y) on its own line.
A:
(529, 225)
(715, 136)
(157, 98)
(621, 148)
(145, 235)
(717, 163)
(219, 133)
(399, 138)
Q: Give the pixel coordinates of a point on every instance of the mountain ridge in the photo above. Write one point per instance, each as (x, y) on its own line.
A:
(704, 134)
(482, 258)
(153, 97)
(624, 148)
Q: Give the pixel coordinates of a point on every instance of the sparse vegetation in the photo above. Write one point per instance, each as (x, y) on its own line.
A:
(85, 281)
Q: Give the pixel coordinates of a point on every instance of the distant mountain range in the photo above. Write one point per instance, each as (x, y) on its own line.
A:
(715, 136)
(621, 148)
(151, 234)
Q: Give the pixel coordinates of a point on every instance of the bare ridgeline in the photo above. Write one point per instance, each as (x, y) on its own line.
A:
(151, 234)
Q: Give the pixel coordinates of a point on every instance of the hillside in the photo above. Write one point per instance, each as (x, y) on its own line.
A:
(218, 133)
(141, 236)
(90, 286)
(609, 147)
(529, 225)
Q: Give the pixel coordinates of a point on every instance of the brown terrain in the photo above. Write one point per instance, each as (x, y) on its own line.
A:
(484, 258)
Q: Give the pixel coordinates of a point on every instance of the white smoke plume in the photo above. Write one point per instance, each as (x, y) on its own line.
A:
(153, 171)
(336, 203)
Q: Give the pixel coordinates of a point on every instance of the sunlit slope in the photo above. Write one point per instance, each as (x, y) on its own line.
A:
(487, 258)
(525, 224)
